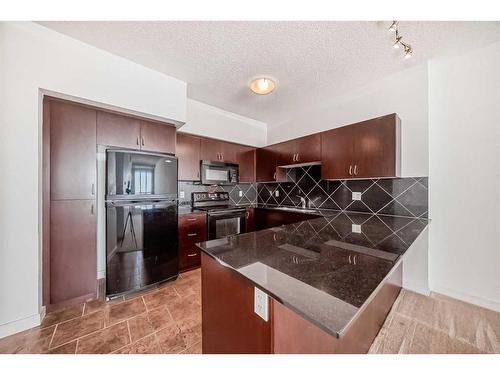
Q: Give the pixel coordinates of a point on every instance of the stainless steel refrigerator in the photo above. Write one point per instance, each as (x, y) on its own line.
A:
(141, 220)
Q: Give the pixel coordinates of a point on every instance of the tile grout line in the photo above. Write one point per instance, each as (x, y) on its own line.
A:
(53, 334)
(129, 334)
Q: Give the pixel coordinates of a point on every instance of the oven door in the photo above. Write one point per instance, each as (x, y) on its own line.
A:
(226, 223)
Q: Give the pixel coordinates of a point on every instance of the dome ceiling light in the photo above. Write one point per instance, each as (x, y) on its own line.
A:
(262, 85)
(408, 51)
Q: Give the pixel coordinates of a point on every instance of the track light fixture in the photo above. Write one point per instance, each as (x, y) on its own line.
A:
(408, 51)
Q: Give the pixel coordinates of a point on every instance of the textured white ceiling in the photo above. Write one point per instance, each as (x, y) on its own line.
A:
(311, 60)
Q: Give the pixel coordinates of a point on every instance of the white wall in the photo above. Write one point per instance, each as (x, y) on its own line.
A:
(464, 182)
(34, 58)
(404, 93)
(204, 119)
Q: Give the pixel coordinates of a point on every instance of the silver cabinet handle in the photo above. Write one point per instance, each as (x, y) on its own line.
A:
(142, 138)
(191, 219)
(192, 255)
(221, 156)
(137, 141)
(350, 170)
(293, 159)
(218, 156)
(355, 169)
(274, 176)
(297, 157)
(92, 209)
(192, 234)
(93, 189)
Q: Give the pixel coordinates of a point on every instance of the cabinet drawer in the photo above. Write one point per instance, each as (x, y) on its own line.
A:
(189, 257)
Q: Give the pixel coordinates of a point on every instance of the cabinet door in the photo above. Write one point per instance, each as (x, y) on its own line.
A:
(230, 152)
(157, 137)
(246, 160)
(73, 257)
(265, 164)
(210, 149)
(337, 149)
(188, 154)
(117, 130)
(250, 221)
(72, 151)
(308, 149)
(376, 147)
(285, 153)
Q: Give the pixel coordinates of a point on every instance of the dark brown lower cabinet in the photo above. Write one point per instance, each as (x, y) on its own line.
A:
(73, 268)
(192, 229)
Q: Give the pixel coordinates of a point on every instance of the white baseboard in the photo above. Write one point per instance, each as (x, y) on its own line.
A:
(7, 329)
(482, 302)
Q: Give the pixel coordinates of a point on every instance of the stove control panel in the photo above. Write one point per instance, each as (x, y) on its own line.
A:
(207, 197)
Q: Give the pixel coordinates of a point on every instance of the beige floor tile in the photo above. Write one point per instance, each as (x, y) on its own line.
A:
(159, 318)
(123, 311)
(63, 315)
(162, 297)
(94, 306)
(104, 341)
(146, 345)
(171, 339)
(35, 341)
(194, 349)
(69, 348)
(395, 336)
(140, 326)
(427, 340)
(72, 329)
(184, 307)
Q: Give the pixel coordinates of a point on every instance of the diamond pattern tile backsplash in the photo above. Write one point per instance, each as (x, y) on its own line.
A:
(396, 196)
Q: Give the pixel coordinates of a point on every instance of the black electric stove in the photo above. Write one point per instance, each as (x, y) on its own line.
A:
(223, 218)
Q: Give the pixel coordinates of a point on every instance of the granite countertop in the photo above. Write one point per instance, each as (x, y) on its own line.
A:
(320, 268)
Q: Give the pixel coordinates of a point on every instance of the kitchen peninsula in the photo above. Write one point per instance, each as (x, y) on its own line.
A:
(329, 289)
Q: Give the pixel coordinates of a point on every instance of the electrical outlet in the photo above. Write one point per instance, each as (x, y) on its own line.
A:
(276, 193)
(261, 304)
(356, 196)
(181, 194)
(356, 228)
(240, 193)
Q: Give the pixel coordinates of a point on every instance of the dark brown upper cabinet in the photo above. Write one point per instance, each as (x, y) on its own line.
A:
(214, 150)
(368, 149)
(129, 132)
(188, 154)
(118, 130)
(265, 164)
(157, 137)
(246, 161)
(301, 150)
(72, 151)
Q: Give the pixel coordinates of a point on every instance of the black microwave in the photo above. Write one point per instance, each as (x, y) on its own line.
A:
(218, 173)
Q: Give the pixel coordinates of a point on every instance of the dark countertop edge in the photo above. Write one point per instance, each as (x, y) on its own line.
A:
(343, 331)
(397, 263)
(337, 335)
